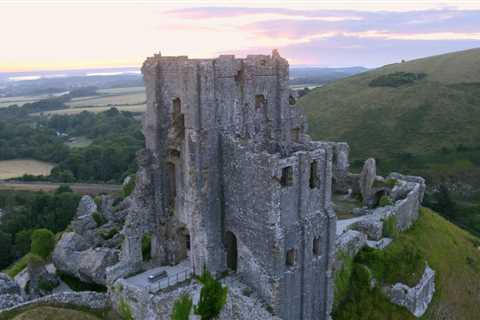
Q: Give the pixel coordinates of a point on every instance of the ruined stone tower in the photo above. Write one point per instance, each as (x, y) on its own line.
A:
(231, 180)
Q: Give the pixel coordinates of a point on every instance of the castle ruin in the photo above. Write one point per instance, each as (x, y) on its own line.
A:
(230, 181)
(234, 182)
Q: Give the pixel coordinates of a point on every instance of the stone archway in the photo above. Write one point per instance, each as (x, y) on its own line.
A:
(232, 250)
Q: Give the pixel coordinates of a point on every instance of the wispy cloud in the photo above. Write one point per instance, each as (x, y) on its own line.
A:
(372, 35)
(60, 34)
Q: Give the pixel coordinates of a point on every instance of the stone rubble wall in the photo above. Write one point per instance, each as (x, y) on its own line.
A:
(415, 299)
(406, 210)
(85, 299)
(242, 302)
(10, 294)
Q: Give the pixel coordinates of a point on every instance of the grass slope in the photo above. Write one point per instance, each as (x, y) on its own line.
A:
(455, 256)
(441, 110)
(52, 313)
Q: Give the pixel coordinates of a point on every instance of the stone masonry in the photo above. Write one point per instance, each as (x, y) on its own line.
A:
(230, 180)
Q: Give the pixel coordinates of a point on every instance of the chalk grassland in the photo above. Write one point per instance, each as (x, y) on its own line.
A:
(58, 312)
(438, 111)
(16, 168)
(109, 100)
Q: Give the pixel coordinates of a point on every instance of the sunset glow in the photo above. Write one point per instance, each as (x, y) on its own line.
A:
(73, 34)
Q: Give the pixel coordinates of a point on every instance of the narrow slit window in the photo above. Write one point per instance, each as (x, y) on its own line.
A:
(287, 177)
(260, 101)
(291, 257)
(314, 181)
(177, 106)
(316, 246)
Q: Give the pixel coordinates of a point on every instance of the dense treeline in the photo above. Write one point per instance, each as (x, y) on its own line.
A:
(115, 135)
(111, 157)
(24, 212)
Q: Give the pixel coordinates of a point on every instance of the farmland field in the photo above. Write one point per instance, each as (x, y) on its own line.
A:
(82, 188)
(16, 168)
(121, 90)
(133, 98)
(135, 108)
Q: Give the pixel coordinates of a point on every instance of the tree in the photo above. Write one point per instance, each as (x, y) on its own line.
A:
(182, 308)
(43, 242)
(444, 203)
(23, 240)
(5, 249)
(213, 297)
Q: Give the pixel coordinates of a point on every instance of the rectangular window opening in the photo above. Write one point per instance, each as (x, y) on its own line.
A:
(291, 257)
(295, 134)
(260, 101)
(287, 177)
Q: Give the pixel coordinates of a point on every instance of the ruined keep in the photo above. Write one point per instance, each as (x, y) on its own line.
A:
(230, 180)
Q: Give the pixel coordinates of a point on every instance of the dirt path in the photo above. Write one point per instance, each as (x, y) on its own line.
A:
(82, 188)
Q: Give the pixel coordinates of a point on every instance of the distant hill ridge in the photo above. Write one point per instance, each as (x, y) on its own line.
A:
(439, 109)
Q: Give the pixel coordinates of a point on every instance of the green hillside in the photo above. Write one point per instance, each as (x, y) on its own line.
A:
(440, 110)
(419, 117)
(455, 256)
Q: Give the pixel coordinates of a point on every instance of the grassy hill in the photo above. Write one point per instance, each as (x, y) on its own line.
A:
(440, 110)
(455, 256)
(419, 117)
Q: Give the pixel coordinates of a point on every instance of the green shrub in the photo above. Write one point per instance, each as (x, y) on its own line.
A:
(125, 311)
(64, 188)
(385, 201)
(23, 241)
(401, 261)
(21, 264)
(128, 188)
(107, 235)
(99, 218)
(342, 278)
(46, 285)
(98, 201)
(43, 242)
(390, 227)
(213, 297)
(391, 182)
(366, 303)
(182, 308)
(147, 247)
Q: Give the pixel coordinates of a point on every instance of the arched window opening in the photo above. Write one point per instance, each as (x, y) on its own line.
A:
(291, 100)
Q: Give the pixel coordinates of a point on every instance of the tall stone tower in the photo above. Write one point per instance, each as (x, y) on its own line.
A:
(234, 181)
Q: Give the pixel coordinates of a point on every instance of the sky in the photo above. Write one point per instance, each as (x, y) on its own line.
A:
(72, 34)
